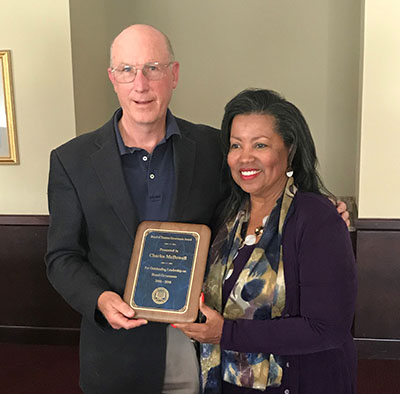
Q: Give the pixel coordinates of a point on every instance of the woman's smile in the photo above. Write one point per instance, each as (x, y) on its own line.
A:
(248, 174)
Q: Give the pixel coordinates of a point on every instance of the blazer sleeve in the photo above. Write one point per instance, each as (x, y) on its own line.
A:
(67, 266)
(322, 299)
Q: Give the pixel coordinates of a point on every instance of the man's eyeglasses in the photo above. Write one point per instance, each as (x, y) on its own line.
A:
(152, 71)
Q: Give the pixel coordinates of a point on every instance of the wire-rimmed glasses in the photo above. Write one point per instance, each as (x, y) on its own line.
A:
(153, 71)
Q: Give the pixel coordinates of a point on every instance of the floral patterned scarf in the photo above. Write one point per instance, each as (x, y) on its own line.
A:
(259, 294)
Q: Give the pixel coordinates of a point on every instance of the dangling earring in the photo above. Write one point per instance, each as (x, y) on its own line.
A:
(292, 152)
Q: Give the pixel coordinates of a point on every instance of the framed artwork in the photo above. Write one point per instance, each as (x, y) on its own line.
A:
(8, 137)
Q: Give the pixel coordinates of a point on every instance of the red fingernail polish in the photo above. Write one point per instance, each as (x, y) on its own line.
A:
(173, 325)
(202, 297)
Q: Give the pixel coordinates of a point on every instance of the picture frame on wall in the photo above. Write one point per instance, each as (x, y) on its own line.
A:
(8, 138)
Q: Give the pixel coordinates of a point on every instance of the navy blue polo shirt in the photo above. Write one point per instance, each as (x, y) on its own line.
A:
(150, 177)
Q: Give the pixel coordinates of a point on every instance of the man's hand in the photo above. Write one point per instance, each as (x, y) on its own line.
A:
(342, 210)
(208, 332)
(117, 312)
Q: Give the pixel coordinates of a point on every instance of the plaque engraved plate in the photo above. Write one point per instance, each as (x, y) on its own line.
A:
(166, 271)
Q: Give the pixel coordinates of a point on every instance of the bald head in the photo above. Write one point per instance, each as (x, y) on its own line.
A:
(141, 35)
(144, 100)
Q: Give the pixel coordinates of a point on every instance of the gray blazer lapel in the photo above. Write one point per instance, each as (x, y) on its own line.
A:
(107, 164)
(184, 161)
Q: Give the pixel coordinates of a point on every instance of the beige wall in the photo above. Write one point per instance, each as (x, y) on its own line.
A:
(380, 120)
(91, 39)
(307, 50)
(39, 38)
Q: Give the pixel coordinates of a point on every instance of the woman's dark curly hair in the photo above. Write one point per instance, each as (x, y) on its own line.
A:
(292, 128)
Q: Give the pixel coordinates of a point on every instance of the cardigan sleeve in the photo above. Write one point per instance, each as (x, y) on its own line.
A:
(320, 284)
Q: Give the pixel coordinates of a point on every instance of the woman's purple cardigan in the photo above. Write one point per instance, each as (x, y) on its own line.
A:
(314, 332)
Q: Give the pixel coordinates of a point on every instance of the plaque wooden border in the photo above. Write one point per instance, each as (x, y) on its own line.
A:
(189, 313)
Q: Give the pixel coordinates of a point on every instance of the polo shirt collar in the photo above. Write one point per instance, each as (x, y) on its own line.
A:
(171, 129)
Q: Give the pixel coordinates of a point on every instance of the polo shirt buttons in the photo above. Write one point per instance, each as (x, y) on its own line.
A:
(287, 364)
(286, 391)
(152, 176)
(145, 158)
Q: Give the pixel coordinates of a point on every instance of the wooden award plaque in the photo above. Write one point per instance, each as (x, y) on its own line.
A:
(166, 271)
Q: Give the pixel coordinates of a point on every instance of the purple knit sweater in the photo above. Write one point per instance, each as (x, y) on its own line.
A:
(314, 335)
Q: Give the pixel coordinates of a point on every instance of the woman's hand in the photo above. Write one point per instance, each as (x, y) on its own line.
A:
(341, 207)
(208, 332)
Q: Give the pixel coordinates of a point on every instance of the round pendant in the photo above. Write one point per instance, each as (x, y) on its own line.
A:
(250, 239)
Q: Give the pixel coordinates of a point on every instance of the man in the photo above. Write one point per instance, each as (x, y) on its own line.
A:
(144, 164)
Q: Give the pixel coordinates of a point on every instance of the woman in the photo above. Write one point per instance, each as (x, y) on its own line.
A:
(281, 284)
